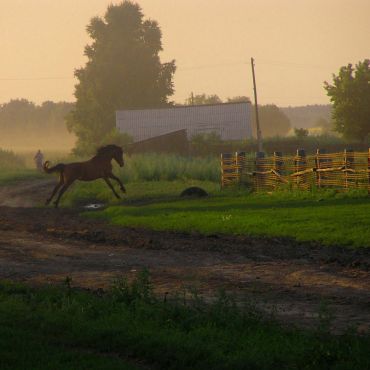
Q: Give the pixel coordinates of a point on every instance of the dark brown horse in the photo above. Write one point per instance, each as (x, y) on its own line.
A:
(98, 167)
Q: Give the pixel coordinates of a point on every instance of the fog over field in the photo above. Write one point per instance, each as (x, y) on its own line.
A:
(296, 46)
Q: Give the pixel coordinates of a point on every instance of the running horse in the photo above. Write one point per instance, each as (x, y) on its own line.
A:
(98, 167)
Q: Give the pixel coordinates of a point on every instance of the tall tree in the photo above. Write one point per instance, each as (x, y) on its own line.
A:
(350, 96)
(123, 71)
(273, 120)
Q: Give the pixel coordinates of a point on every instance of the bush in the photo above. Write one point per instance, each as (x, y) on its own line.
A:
(165, 167)
(9, 160)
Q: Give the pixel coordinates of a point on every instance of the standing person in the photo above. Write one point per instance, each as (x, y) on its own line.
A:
(39, 160)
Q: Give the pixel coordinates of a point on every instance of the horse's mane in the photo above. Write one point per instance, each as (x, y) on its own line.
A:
(107, 149)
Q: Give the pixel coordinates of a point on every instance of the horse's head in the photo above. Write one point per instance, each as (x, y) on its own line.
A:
(111, 152)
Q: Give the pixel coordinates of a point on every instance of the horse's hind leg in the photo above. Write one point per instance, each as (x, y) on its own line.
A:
(111, 176)
(111, 186)
(60, 183)
(61, 192)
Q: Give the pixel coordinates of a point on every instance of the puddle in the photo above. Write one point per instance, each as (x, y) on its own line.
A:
(94, 206)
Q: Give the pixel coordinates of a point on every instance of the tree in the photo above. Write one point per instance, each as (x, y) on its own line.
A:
(203, 99)
(324, 125)
(273, 120)
(350, 96)
(300, 133)
(238, 99)
(123, 71)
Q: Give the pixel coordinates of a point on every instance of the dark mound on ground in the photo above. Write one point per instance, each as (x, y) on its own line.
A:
(194, 191)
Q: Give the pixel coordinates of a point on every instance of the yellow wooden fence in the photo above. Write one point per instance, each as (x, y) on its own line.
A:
(344, 170)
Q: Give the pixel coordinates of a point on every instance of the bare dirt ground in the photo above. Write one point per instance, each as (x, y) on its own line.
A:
(41, 245)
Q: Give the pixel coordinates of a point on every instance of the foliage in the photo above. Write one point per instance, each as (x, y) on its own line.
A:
(117, 138)
(9, 160)
(324, 124)
(306, 116)
(22, 122)
(123, 71)
(273, 120)
(300, 133)
(238, 99)
(203, 143)
(202, 99)
(350, 96)
(290, 144)
(159, 167)
(50, 329)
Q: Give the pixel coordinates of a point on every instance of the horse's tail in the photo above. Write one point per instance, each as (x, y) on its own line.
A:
(58, 168)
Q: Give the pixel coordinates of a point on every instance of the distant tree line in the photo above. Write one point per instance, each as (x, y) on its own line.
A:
(22, 116)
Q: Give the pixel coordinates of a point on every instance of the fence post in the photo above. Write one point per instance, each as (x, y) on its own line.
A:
(240, 164)
(278, 166)
(260, 156)
(348, 164)
(300, 164)
(368, 171)
(319, 161)
(226, 159)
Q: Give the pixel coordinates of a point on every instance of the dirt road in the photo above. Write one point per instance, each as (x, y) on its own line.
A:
(43, 245)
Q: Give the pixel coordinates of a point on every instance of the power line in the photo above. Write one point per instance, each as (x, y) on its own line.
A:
(275, 63)
(34, 78)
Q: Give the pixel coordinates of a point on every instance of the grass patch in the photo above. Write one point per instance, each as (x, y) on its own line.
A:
(9, 160)
(326, 217)
(142, 192)
(61, 328)
(8, 176)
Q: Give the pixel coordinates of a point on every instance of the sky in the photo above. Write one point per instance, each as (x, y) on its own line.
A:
(296, 44)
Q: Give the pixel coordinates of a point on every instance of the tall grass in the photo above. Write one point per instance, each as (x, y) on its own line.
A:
(46, 327)
(9, 160)
(167, 167)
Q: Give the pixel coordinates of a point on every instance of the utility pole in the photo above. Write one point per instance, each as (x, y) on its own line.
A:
(259, 135)
(192, 98)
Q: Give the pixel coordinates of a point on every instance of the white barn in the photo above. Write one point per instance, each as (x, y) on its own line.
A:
(232, 121)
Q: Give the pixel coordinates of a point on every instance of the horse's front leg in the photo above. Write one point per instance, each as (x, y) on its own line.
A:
(111, 186)
(62, 190)
(57, 186)
(111, 176)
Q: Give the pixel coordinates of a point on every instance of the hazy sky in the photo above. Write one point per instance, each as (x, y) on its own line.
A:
(297, 44)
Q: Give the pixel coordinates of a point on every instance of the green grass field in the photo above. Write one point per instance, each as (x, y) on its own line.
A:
(8, 176)
(326, 217)
(62, 328)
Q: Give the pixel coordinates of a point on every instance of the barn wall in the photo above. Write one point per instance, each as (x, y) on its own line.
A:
(231, 121)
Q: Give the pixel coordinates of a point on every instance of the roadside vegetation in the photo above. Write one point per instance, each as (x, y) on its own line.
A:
(59, 328)
(9, 160)
(13, 168)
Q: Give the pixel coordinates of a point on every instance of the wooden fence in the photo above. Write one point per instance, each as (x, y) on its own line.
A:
(342, 170)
